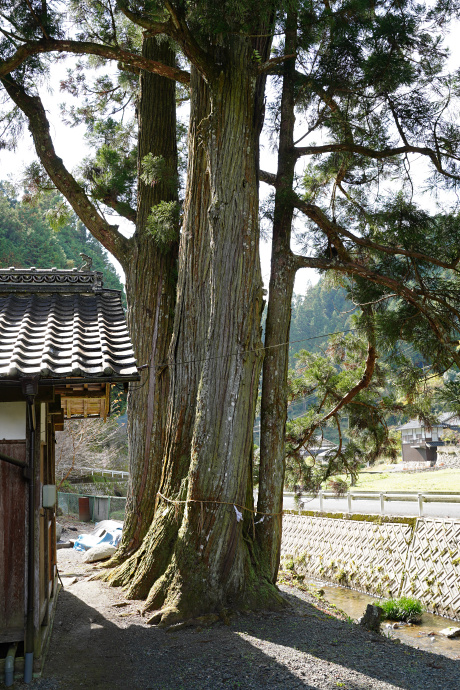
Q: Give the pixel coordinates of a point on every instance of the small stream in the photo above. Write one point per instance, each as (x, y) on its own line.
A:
(354, 603)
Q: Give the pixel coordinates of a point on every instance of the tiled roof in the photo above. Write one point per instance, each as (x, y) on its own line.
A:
(445, 419)
(62, 325)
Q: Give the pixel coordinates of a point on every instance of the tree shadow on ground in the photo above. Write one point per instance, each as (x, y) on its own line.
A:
(93, 646)
(89, 650)
(374, 658)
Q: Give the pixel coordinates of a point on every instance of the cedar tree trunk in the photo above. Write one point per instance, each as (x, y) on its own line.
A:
(199, 557)
(151, 273)
(275, 368)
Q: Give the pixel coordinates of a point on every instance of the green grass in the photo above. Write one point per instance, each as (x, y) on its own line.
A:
(440, 480)
(406, 609)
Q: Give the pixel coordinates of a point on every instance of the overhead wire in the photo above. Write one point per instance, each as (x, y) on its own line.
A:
(262, 348)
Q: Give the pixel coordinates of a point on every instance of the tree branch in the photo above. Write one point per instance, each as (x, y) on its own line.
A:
(32, 107)
(351, 147)
(267, 67)
(362, 383)
(121, 207)
(267, 177)
(181, 33)
(352, 393)
(91, 48)
(141, 20)
(352, 268)
(379, 155)
(37, 20)
(319, 217)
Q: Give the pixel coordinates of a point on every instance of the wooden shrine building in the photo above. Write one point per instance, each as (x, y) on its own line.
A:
(63, 342)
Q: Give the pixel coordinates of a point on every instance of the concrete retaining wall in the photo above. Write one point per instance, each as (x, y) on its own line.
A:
(385, 556)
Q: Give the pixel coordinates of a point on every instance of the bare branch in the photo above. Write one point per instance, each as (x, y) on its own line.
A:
(272, 65)
(267, 177)
(90, 48)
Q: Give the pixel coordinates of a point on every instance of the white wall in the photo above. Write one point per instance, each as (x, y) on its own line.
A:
(12, 421)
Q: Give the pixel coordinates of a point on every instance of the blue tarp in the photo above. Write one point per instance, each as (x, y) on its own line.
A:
(105, 532)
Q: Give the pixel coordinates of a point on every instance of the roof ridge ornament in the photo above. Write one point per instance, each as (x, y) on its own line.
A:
(87, 262)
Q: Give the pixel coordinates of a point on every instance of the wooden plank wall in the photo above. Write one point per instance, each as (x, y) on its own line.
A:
(13, 497)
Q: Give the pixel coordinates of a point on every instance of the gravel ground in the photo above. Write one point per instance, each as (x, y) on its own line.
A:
(101, 641)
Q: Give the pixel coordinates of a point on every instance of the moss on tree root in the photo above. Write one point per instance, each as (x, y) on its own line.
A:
(182, 589)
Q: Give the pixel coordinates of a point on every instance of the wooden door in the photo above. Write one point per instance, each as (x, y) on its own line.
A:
(13, 497)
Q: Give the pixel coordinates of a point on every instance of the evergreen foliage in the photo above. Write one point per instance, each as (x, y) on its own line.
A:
(326, 378)
(27, 238)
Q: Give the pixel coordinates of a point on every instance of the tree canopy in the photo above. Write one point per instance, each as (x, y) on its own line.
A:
(361, 100)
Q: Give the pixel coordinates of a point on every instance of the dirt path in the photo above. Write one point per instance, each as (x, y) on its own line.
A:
(101, 642)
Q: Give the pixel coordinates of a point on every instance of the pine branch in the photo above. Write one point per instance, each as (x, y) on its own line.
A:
(379, 155)
(91, 48)
(352, 268)
(316, 214)
(32, 107)
(362, 383)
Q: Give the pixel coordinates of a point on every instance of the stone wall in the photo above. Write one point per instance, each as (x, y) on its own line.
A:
(385, 556)
(448, 457)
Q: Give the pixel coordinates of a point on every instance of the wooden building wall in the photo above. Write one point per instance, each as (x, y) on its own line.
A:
(13, 515)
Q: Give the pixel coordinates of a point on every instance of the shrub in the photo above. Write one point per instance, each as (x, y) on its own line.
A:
(338, 486)
(406, 609)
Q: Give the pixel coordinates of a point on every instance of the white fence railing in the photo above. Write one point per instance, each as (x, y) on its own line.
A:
(380, 497)
(98, 470)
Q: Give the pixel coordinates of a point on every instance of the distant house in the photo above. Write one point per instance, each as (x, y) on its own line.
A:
(420, 443)
(63, 343)
(320, 451)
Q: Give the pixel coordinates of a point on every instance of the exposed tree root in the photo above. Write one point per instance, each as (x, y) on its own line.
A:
(178, 603)
(164, 618)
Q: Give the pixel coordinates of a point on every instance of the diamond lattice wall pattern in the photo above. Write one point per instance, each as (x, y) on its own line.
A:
(433, 569)
(386, 557)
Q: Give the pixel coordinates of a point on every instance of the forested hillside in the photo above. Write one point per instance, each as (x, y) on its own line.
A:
(27, 238)
(323, 309)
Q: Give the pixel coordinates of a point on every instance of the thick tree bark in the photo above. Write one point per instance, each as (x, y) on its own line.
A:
(198, 557)
(151, 272)
(275, 368)
(150, 561)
